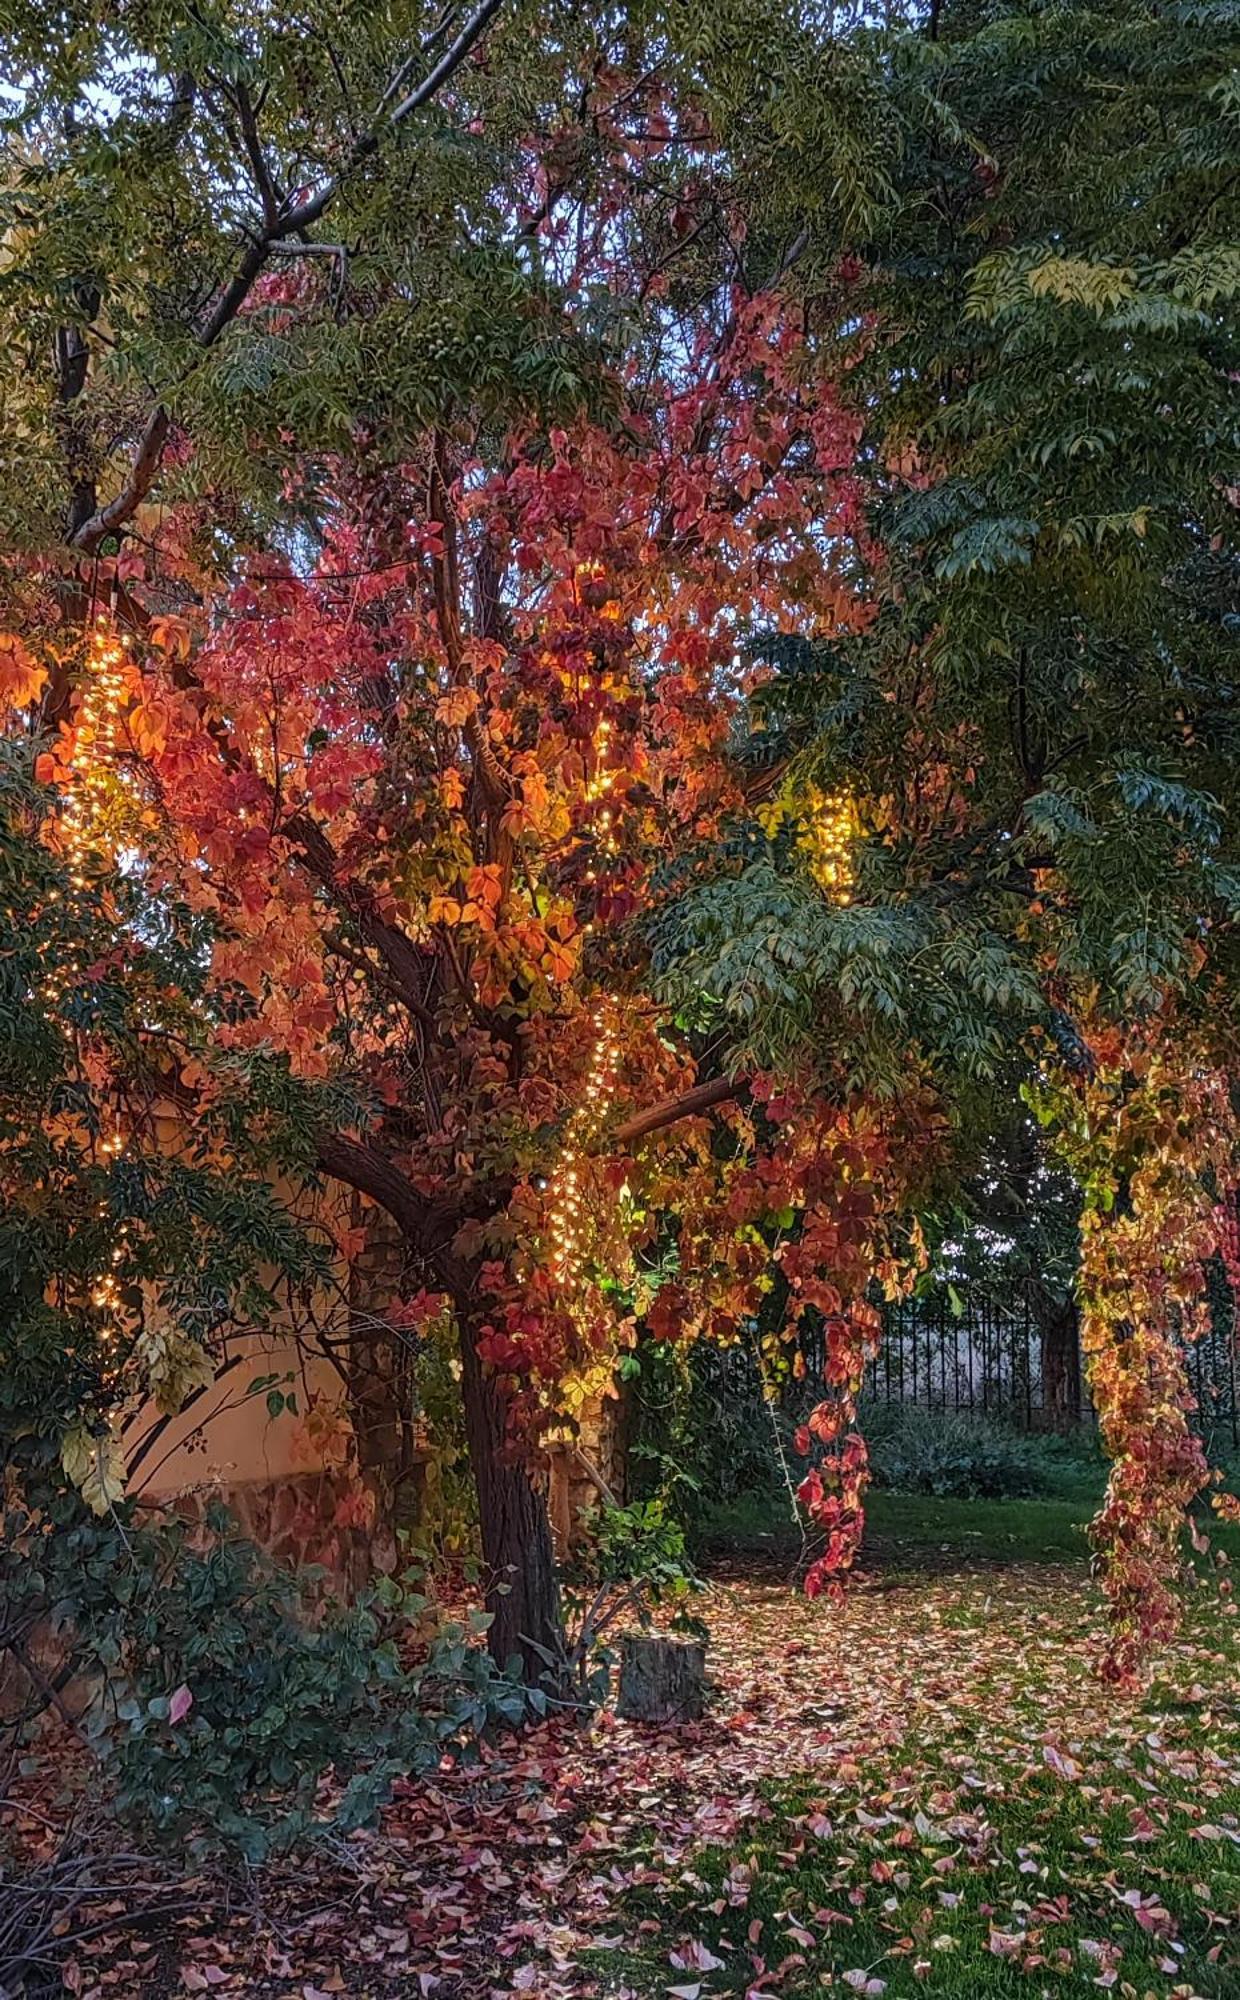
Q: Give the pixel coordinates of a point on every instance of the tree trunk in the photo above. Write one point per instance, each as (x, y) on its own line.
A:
(523, 1594)
(378, 1400)
(1061, 1362)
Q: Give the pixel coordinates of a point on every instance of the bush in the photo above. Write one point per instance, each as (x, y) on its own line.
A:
(703, 1425)
(220, 1700)
(631, 1561)
(914, 1450)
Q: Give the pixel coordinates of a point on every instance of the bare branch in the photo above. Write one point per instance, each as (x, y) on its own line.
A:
(408, 963)
(688, 1104)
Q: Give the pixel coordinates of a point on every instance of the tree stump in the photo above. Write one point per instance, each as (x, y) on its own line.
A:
(661, 1680)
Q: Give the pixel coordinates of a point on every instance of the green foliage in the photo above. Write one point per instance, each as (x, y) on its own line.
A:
(641, 1544)
(913, 1450)
(1040, 720)
(703, 1427)
(631, 1561)
(147, 153)
(97, 986)
(446, 1528)
(96, 982)
(222, 1696)
(280, 1702)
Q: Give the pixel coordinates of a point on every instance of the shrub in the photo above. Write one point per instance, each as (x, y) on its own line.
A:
(631, 1562)
(220, 1701)
(915, 1450)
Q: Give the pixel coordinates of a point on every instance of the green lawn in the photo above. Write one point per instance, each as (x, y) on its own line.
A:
(913, 1529)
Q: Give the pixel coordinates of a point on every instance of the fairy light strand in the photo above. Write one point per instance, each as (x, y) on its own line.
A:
(829, 840)
(96, 744)
(566, 1207)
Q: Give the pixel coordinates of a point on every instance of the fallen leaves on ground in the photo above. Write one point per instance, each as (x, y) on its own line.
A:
(924, 1790)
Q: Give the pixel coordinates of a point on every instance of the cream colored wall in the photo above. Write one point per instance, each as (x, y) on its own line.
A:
(226, 1437)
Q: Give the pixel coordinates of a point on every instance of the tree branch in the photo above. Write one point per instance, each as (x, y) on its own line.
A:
(407, 962)
(688, 1104)
(106, 520)
(361, 1165)
(284, 222)
(267, 191)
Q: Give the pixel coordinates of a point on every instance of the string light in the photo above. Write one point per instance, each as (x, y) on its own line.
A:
(97, 741)
(603, 777)
(96, 744)
(829, 841)
(565, 1211)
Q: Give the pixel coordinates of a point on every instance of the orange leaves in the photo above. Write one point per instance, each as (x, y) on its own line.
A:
(171, 636)
(22, 677)
(486, 887)
(485, 893)
(148, 724)
(559, 961)
(421, 832)
(530, 811)
(455, 708)
(1151, 1138)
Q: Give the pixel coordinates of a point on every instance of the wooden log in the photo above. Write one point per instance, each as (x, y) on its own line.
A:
(661, 1680)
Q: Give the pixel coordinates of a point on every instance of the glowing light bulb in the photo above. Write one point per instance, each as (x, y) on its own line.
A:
(96, 778)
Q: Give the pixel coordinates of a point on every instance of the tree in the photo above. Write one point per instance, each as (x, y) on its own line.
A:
(810, 393)
(417, 738)
(420, 803)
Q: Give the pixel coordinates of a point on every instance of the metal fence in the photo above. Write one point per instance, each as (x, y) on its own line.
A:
(1214, 1377)
(980, 1355)
(984, 1359)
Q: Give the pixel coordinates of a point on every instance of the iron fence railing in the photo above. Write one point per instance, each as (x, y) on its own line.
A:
(988, 1356)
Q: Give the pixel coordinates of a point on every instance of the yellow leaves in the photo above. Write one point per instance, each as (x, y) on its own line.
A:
(829, 830)
(585, 1386)
(96, 1466)
(22, 677)
(1001, 284)
(772, 814)
(1074, 281)
(174, 1366)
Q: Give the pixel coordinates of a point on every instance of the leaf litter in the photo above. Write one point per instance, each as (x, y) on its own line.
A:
(922, 1790)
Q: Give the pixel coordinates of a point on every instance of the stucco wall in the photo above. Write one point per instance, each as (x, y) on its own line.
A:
(227, 1436)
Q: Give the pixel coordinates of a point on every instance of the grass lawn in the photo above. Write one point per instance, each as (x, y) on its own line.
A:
(909, 1529)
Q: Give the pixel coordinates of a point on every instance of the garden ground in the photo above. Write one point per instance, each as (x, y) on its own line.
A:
(923, 1791)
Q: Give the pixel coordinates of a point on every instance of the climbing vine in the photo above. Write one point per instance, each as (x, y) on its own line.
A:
(1149, 1130)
